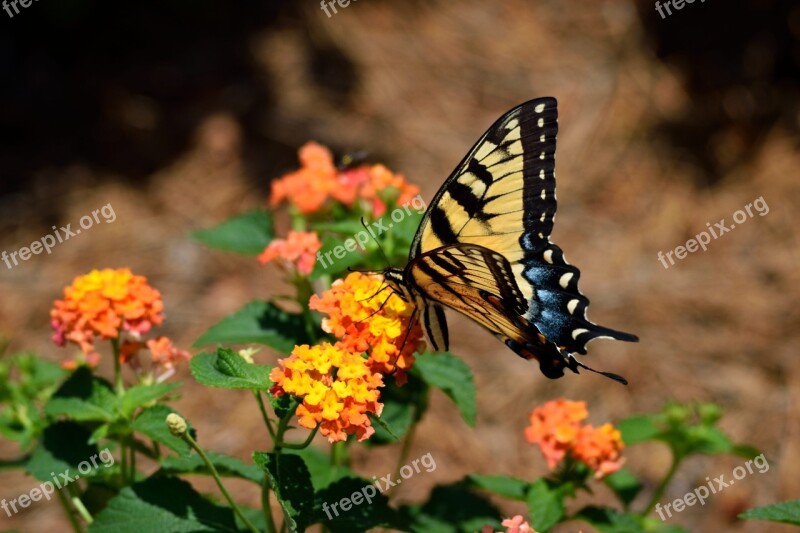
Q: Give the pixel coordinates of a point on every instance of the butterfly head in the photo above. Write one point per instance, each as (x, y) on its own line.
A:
(395, 280)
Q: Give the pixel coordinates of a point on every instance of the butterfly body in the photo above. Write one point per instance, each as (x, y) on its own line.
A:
(483, 248)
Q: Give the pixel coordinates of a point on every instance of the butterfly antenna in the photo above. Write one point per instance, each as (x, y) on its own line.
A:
(408, 332)
(377, 310)
(384, 286)
(385, 258)
(611, 375)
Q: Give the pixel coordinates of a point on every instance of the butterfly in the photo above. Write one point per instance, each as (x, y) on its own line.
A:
(483, 249)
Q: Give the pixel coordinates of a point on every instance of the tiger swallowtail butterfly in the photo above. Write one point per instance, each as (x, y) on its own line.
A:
(483, 249)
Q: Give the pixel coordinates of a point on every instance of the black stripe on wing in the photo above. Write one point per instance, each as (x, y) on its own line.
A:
(561, 311)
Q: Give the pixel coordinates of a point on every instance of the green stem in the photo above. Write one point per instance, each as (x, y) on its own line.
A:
(302, 445)
(117, 367)
(265, 505)
(78, 504)
(673, 468)
(189, 440)
(264, 415)
(73, 521)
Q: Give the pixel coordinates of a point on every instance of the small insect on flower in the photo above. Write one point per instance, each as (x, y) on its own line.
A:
(319, 179)
(556, 428)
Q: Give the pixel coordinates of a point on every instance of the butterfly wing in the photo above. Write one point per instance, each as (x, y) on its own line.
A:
(501, 198)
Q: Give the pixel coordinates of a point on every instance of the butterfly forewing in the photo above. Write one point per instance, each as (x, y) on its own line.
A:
(483, 247)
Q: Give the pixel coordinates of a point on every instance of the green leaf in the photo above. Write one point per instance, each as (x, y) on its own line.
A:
(246, 234)
(83, 398)
(402, 406)
(225, 465)
(63, 447)
(624, 484)
(608, 520)
(259, 322)
(545, 506)
(228, 370)
(319, 467)
(333, 264)
(355, 504)
(453, 509)
(152, 422)
(282, 404)
(452, 375)
(787, 512)
(291, 483)
(140, 395)
(162, 504)
(506, 486)
(638, 429)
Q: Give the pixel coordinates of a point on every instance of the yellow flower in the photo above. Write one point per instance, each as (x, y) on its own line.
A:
(336, 387)
(367, 319)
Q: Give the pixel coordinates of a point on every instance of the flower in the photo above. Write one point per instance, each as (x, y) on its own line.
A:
(101, 304)
(556, 428)
(299, 248)
(517, 524)
(366, 319)
(337, 388)
(318, 179)
(599, 449)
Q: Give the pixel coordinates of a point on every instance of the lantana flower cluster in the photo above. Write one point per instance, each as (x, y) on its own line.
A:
(338, 383)
(336, 386)
(104, 304)
(515, 524)
(319, 179)
(297, 250)
(556, 428)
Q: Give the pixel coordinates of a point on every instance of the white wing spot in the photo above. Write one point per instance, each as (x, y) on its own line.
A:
(548, 256)
(544, 216)
(571, 305)
(541, 138)
(541, 156)
(540, 123)
(541, 174)
(564, 281)
(543, 195)
(579, 331)
(541, 236)
(539, 108)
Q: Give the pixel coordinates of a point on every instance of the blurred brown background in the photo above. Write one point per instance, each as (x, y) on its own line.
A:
(179, 114)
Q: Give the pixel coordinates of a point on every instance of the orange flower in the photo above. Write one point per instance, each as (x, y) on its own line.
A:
(299, 248)
(308, 187)
(165, 354)
(318, 179)
(337, 387)
(103, 303)
(599, 449)
(367, 319)
(556, 428)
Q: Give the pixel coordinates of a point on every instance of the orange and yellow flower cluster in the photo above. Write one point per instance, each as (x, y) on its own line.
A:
(366, 318)
(337, 387)
(105, 303)
(298, 248)
(556, 428)
(318, 179)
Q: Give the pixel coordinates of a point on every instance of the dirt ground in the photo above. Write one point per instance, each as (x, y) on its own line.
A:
(665, 126)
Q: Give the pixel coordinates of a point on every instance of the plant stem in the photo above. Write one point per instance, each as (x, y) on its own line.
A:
(188, 438)
(117, 367)
(304, 444)
(265, 505)
(76, 501)
(62, 498)
(264, 415)
(673, 468)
